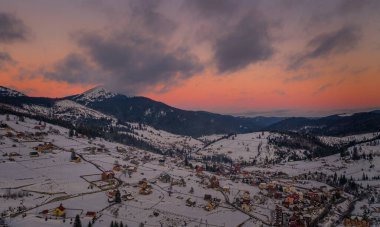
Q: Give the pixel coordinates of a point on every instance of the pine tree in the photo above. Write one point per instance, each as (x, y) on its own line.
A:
(117, 197)
(89, 224)
(77, 222)
(355, 155)
(121, 224)
(112, 224)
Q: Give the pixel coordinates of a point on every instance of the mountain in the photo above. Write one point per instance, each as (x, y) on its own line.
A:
(7, 92)
(334, 125)
(99, 104)
(164, 117)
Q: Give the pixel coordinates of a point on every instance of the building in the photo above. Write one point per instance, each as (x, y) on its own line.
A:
(59, 211)
(108, 175)
(279, 216)
(34, 154)
(91, 214)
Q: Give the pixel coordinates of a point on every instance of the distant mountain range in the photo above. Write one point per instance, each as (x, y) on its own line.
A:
(100, 105)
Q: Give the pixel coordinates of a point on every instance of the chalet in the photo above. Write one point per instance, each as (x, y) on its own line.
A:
(190, 202)
(108, 175)
(131, 168)
(161, 162)
(207, 197)
(246, 197)
(91, 214)
(245, 207)
(14, 154)
(34, 154)
(262, 186)
(214, 182)
(116, 168)
(2, 223)
(165, 178)
(121, 149)
(45, 212)
(76, 159)
(44, 147)
(59, 211)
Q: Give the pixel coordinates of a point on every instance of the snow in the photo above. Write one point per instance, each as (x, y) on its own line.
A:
(96, 94)
(7, 92)
(52, 179)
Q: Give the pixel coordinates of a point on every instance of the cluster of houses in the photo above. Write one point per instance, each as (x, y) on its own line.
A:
(62, 212)
(355, 221)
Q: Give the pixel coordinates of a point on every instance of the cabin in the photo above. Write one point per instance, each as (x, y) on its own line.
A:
(108, 175)
(91, 214)
(214, 182)
(76, 159)
(44, 147)
(34, 154)
(161, 162)
(59, 211)
(165, 178)
(116, 168)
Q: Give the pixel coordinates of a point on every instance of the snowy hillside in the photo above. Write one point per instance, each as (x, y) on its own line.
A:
(96, 94)
(7, 92)
(43, 168)
(251, 147)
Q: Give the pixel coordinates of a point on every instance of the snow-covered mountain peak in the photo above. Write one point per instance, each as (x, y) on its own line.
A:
(95, 95)
(7, 92)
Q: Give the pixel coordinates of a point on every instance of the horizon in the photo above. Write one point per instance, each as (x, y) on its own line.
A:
(263, 113)
(290, 58)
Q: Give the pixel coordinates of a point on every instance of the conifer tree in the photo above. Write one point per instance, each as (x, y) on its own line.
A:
(77, 222)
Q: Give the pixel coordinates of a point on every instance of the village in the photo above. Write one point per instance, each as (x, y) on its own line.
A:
(49, 175)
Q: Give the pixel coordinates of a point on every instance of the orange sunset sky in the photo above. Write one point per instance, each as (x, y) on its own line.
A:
(274, 58)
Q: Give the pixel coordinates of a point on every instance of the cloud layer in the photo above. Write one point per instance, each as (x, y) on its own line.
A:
(340, 41)
(12, 29)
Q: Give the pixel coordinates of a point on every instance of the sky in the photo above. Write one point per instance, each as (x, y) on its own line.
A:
(247, 57)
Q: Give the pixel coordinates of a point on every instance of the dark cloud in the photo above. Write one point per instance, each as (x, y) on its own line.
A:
(248, 42)
(74, 68)
(212, 8)
(323, 88)
(12, 28)
(354, 6)
(146, 15)
(126, 62)
(324, 45)
(5, 59)
(303, 77)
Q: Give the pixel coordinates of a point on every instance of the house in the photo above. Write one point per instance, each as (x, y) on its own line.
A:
(262, 186)
(246, 197)
(356, 222)
(190, 202)
(207, 197)
(76, 159)
(245, 207)
(116, 168)
(45, 212)
(108, 175)
(165, 178)
(214, 182)
(161, 162)
(44, 147)
(59, 211)
(91, 214)
(34, 154)
(2, 223)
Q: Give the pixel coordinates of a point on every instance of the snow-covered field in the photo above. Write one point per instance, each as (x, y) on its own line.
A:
(43, 182)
